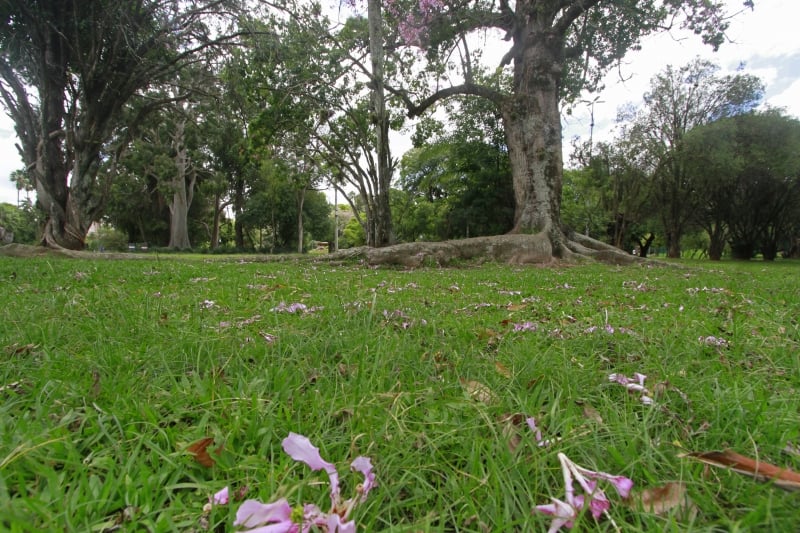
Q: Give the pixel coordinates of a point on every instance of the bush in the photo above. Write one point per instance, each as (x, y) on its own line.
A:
(107, 239)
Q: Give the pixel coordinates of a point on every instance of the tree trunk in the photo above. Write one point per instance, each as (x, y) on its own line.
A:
(67, 218)
(717, 236)
(382, 214)
(533, 132)
(673, 243)
(182, 194)
(301, 198)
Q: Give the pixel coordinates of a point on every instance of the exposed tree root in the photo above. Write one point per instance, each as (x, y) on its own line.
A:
(512, 249)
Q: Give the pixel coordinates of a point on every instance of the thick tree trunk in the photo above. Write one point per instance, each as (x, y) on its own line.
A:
(183, 192)
(533, 132)
(382, 235)
(717, 236)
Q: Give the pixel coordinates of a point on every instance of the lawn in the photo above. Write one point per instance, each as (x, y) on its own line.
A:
(113, 372)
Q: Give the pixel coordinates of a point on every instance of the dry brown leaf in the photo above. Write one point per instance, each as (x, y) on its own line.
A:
(759, 470)
(200, 451)
(477, 390)
(486, 333)
(21, 349)
(516, 307)
(591, 413)
(510, 432)
(665, 498)
(14, 386)
(502, 369)
(95, 383)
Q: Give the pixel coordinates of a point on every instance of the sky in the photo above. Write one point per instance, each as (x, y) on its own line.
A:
(763, 40)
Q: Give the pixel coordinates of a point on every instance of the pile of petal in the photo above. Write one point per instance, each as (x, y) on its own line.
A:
(565, 512)
(279, 517)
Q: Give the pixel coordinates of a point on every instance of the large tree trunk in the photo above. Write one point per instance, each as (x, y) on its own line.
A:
(182, 194)
(382, 215)
(68, 216)
(717, 234)
(533, 132)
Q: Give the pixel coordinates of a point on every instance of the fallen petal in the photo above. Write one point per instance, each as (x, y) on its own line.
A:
(253, 513)
(364, 465)
(300, 449)
(221, 497)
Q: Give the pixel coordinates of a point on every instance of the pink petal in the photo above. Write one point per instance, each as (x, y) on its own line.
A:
(622, 484)
(335, 525)
(300, 449)
(563, 514)
(598, 504)
(253, 513)
(364, 465)
(221, 497)
(537, 433)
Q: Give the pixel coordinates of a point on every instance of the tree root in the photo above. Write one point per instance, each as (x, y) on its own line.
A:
(511, 249)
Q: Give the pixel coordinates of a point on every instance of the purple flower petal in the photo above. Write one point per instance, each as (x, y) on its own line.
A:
(253, 513)
(364, 465)
(221, 497)
(300, 448)
(563, 514)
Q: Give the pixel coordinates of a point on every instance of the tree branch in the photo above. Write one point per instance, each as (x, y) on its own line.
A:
(471, 89)
(573, 10)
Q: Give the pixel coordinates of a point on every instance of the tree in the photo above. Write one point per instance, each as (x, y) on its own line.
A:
(459, 184)
(557, 48)
(681, 99)
(617, 180)
(85, 59)
(751, 184)
(382, 226)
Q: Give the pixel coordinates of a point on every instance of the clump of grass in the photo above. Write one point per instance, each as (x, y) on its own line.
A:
(110, 370)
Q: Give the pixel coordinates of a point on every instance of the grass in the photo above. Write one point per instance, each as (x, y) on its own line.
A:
(111, 369)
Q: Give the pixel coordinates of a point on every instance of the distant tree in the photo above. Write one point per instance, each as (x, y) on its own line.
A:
(748, 170)
(680, 99)
(21, 221)
(458, 178)
(67, 70)
(617, 180)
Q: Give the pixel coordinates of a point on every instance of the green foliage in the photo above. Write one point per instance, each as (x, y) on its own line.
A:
(748, 172)
(23, 221)
(111, 369)
(458, 184)
(107, 239)
(353, 234)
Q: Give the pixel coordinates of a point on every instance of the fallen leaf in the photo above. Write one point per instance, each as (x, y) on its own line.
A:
(758, 470)
(21, 349)
(14, 386)
(665, 498)
(477, 391)
(512, 423)
(516, 307)
(200, 451)
(590, 412)
(502, 369)
(486, 333)
(95, 383)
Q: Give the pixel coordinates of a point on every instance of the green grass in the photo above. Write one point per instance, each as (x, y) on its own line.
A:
(111, 369)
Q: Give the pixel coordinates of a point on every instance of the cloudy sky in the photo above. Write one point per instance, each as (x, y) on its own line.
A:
(763, 40)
